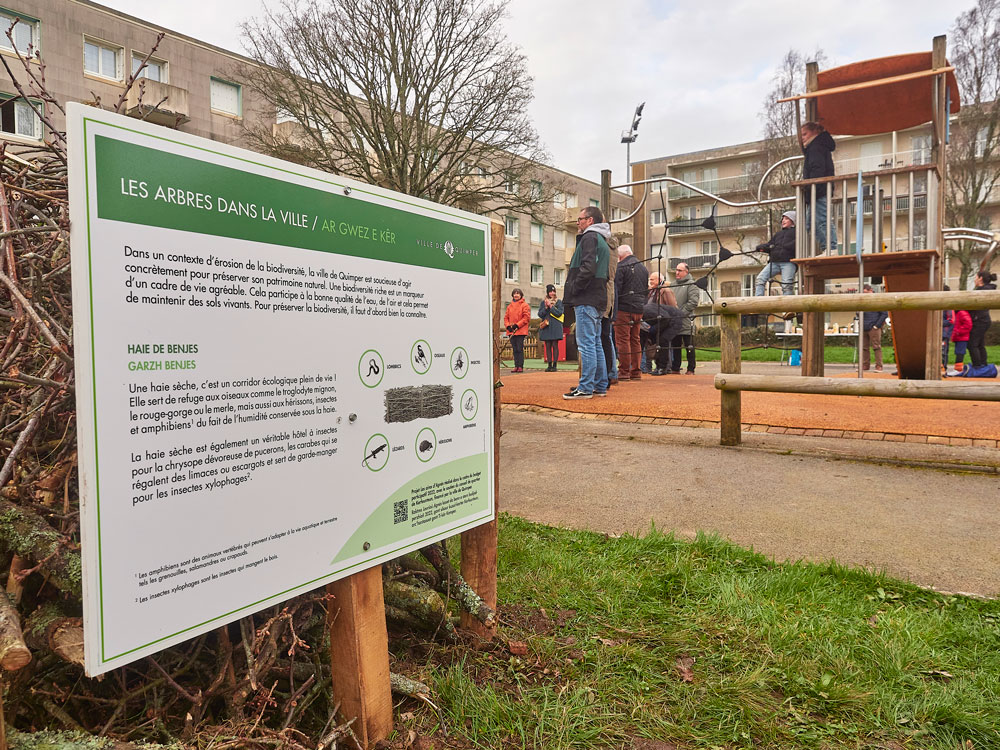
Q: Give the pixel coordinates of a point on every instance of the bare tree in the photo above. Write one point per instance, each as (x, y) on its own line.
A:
(781, 139)
(425, 97)
(973, 173)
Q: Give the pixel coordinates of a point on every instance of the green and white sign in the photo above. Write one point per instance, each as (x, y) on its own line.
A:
(267, 390)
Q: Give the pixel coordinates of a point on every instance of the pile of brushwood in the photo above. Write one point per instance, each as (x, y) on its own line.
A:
(263, 681)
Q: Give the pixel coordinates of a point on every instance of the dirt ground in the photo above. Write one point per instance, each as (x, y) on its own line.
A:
(694, 397)
(925, 513)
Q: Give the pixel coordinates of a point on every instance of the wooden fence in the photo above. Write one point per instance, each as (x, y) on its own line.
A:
(731, 382)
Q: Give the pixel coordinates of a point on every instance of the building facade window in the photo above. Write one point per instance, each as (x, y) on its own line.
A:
(559, 238)
(656, 187)
(571, 200)
(536, 190)
(747, 285)
(537, 275)
(657, 251)
(980, 147)
(154, 70)
(921, 146)
(227, 97)
(511, 185)
(657, 216)
(537, 233)
(25, 33)
(102, 59)
(559, 276)
(559, 199)
(18, 118)
(595, 203)
(617, 214)
(510, 225)
(510, 270)
(709, 247)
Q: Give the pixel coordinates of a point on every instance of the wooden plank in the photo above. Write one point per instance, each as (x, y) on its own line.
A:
(973, 300)
(731, 356)
(909, 327)
(479, 545)
(359, 654)
(955, 390)
(876, 264)
(868, 84)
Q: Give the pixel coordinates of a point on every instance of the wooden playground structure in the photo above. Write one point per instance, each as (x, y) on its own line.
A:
(865, 98)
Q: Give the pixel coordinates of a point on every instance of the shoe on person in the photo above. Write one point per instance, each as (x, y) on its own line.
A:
(878, 368)
(613, 382)
(600, 393)
(954, 373)
(657, 372)
(577, 393)
(675, 372)
(689, 372)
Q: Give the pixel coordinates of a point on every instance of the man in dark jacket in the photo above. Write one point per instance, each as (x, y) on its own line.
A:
(780, 251)
(818, 147)
(630, 291)
(871, 325)
(587, 293)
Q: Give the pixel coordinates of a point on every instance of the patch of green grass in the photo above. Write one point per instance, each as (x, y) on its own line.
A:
(708, 645)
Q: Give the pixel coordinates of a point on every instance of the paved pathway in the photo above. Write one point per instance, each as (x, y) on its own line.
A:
(925, 513)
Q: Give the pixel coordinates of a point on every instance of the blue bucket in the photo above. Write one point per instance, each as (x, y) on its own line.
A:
(795, 357)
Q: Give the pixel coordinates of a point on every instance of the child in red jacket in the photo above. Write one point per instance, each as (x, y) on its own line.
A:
(960, 335)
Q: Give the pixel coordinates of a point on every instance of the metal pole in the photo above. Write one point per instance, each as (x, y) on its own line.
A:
(859, 229)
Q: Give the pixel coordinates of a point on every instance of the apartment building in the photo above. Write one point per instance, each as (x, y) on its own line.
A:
(734, 173)
(89, 51)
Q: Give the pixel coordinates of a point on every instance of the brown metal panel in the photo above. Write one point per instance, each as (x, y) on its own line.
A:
(880, 109)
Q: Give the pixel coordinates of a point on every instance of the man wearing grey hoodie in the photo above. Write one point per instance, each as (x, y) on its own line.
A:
(586, 292)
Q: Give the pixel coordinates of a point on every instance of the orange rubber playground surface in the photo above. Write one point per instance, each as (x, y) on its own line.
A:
(693, 401)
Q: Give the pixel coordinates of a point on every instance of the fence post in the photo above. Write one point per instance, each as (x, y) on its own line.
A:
(731, 418)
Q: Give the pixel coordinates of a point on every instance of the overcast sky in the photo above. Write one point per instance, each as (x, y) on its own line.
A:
(702, 68)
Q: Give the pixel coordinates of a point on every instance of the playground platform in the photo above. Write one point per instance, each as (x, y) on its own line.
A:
(693, 401)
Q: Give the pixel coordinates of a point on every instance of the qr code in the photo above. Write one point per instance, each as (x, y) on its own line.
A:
(400, 511)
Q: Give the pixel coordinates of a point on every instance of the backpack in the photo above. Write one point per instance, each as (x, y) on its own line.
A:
(983, 371)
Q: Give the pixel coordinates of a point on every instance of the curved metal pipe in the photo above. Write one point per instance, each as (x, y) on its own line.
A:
(713, 196)
(645, 192)
(774, 166)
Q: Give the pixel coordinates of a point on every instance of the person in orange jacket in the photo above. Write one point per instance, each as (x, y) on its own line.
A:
(516, 320)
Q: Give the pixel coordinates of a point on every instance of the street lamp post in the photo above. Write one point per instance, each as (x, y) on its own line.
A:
(628, 138)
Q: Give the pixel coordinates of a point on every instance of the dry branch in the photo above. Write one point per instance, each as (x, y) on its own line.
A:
(14, 652)
(470, 601)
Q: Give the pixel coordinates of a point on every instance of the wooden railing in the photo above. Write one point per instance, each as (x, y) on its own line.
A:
(730, 381)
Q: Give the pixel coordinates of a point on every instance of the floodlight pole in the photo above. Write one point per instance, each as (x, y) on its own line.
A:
(628, 138)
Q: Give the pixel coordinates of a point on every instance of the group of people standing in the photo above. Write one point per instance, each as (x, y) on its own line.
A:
(621, 312)
(967, 329)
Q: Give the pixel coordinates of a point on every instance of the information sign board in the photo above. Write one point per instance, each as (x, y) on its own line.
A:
(283, 377)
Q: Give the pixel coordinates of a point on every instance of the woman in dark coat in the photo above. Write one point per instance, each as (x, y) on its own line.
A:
(550, 328)
(980, 321)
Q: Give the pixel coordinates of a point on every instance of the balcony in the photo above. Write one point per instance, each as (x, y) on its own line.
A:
(719, 186)
(694, 262)
(726, 222)
(157, 102)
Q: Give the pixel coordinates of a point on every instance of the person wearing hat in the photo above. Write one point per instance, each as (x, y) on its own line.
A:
(780, 251)
(550, 326)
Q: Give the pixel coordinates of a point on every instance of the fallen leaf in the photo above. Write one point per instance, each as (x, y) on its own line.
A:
(683, 666)
(605, 641)
(938, 674)
(406, 715)
(518, 648)
(873, 621)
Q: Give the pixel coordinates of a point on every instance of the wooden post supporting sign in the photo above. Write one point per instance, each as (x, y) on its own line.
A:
(479, 545)
(359, 653)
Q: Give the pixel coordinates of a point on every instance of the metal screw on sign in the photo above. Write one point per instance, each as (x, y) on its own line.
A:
(352, 418)
(366, 546)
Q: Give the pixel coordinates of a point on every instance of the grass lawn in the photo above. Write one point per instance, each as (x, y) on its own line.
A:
(643, 642)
